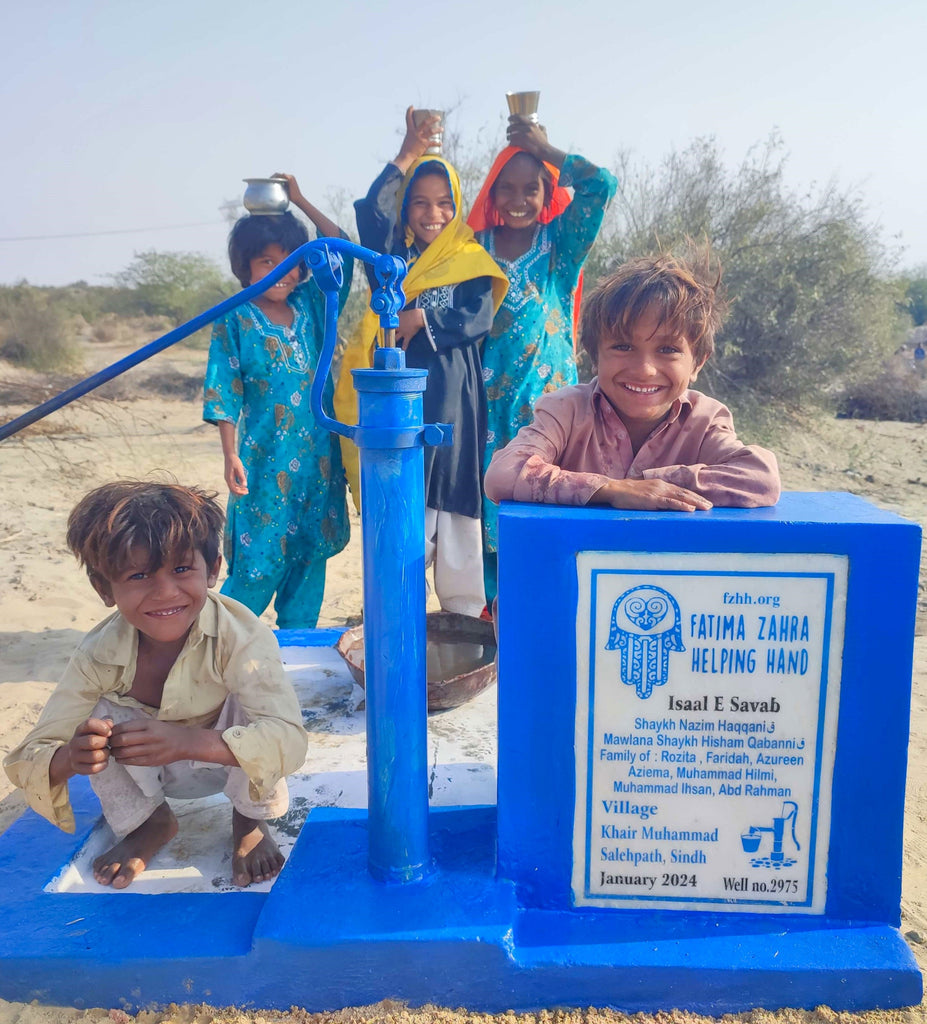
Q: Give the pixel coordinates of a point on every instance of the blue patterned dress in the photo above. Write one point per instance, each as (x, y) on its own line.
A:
(294, 516)
(529, 350)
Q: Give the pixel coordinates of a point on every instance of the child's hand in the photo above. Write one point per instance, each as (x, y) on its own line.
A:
(417, 140)
(235, 476)
(650, 495)
(527, 134)
(87, 751)
(292, 188)
(411, 321)
(149, 741)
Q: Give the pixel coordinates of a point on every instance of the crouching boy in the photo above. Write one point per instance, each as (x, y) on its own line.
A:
(636, 436)
(180, 693)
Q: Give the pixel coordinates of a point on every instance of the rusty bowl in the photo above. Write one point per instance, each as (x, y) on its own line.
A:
(462, 675)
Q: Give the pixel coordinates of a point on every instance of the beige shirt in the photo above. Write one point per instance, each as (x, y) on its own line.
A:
(228, 651)
(577, 443)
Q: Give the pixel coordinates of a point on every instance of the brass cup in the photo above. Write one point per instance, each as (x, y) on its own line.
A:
(525, 104)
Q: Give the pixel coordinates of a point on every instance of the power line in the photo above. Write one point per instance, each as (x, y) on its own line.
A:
(115, 231)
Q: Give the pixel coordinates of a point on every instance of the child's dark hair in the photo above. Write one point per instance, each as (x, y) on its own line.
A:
(491, 212)
(253, 233)
(685, 296)
(157, 520)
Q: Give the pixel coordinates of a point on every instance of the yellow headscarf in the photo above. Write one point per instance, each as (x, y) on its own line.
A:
(454, 256)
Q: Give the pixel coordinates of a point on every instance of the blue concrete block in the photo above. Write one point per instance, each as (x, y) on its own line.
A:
(537, 693)
(538, 586)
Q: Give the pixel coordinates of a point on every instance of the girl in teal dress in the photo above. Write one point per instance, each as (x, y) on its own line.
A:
(540, 238)
(287, 512)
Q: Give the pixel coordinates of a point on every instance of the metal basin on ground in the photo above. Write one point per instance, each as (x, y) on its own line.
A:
(460, 655)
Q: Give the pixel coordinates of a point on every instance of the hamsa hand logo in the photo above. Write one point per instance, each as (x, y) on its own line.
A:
(645, 628)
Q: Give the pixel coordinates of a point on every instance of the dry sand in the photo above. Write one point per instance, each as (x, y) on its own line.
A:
(46, 605)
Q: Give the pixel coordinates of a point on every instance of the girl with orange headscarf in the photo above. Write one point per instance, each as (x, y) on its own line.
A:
(453, 288)
(528, 223)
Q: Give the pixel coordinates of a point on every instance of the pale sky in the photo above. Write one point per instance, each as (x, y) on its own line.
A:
(119, 114)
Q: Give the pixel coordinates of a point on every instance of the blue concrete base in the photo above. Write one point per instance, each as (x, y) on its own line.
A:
(328, 936)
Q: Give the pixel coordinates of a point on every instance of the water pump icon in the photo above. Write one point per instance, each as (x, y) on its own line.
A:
(777, 859)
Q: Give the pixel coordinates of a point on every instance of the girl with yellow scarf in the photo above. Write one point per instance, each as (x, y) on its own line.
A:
(453, 288)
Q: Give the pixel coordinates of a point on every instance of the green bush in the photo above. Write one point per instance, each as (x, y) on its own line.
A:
(178, 285)
(914, 300)
(35, 331)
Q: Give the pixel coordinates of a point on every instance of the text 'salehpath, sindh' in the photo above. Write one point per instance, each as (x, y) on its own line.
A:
(706, 716)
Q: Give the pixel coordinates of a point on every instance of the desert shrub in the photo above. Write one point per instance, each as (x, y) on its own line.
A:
(35, 331)
(887, 396)
(171, 383)
(107, 329)
(178, 285)
(813, 305)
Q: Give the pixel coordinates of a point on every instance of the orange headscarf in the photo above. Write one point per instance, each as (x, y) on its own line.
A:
(480, 215)
(483, 215)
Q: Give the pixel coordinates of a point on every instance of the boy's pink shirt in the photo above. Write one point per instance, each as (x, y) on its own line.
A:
(577, 443)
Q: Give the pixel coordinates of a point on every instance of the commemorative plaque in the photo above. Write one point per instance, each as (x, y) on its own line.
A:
(707, 696)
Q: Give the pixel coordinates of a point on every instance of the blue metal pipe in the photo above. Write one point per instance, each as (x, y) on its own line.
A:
(80, 389)
(390, 435)
(393, 517)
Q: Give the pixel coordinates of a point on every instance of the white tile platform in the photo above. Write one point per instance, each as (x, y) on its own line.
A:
(461, 765)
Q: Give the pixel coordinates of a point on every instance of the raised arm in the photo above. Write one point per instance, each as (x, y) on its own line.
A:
(326, 227)
(593, 188)
(376, 216)
(416, 140)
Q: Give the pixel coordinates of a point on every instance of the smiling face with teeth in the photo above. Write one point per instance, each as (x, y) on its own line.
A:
(644, 372)
(519, 193)
(263, 263)
(162, 603)
(429, 207)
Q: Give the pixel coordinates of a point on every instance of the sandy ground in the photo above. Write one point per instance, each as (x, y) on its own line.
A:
(46, 605)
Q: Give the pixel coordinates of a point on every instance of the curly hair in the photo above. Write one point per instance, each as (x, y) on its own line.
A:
(118, 521)
(686, 297)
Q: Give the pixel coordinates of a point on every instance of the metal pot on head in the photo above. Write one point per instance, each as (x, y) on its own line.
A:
(265, 196)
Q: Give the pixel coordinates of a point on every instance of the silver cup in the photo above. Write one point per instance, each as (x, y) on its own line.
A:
(525, 104)
(419, 117)
(265, 196)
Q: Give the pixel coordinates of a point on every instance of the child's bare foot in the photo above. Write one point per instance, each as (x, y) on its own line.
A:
(255, 857)
(128, 858)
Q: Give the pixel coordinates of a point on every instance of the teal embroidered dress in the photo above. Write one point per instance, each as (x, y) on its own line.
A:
(529, 350)
(294, 516)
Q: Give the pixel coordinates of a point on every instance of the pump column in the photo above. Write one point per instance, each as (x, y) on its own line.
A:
(389, 435)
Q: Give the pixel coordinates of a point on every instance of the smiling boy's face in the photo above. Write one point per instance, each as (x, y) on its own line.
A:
(161, 603)
(643, 375)
(429, 208)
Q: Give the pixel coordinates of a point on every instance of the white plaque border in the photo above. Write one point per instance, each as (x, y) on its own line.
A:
(833, 569)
